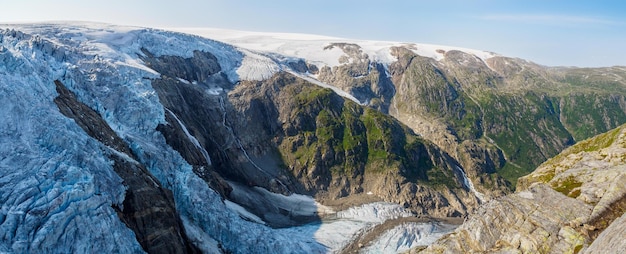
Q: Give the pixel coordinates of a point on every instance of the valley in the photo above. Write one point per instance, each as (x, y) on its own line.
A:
(220, 141)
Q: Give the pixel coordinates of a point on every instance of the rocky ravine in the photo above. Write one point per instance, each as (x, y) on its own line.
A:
(573, 203)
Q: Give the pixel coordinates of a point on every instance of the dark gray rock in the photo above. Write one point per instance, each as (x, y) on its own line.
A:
(148, 208)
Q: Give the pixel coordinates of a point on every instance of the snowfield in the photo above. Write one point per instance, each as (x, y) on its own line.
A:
(264, 52)
(311, 47)
(57, 185)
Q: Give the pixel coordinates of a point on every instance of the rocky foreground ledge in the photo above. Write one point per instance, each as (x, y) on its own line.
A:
(573, 203)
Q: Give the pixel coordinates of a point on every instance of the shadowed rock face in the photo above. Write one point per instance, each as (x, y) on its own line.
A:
(287, 135)
(203, 107)
(148, 208)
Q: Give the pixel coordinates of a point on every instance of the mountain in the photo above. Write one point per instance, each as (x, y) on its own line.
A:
(572, 203)
(500, 117)
(162, 141)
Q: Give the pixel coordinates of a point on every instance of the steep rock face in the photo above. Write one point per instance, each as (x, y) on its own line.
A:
(437, 107)
(336, 148)
(195, 98)
(587, 114)
(519, 112)
(526, 127)
(564, 206)
(190, 118)
(612, 238)
(148, 208)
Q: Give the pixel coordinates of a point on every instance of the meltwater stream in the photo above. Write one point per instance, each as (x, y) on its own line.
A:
(468, 183)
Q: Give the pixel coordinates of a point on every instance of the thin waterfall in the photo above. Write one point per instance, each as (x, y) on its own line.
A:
(240, 146)
(193, 139)
(469, 185)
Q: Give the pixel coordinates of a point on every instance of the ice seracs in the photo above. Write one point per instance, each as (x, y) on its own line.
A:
(57, 185)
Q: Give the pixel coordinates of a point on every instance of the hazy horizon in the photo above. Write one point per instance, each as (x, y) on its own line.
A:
(554, 33)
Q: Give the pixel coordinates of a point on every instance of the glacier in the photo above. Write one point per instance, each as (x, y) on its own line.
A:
(408, 235)
(57, 184)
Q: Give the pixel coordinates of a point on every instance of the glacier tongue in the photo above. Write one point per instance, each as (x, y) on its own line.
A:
(57, 184)
(407, 236)
(54, 179)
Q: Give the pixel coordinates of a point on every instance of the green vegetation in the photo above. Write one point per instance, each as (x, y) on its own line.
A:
(530, 113)
(525, 127)
(567, 186)
(598, 142)
(589, 114)
(350, 140)
(438, 177)
(590, 80)
(321, 96)
(380, 136)
(329, 130)
(511, 173)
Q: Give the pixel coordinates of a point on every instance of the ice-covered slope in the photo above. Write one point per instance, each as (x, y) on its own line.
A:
(56, 180)
(58, 188)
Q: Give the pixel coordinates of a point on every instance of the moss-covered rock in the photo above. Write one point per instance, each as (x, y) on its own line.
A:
(336, 148)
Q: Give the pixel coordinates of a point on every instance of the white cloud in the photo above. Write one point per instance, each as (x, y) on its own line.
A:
(549, 19)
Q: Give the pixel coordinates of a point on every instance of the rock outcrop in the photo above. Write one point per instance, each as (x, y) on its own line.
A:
(611, 239)
(565, 206)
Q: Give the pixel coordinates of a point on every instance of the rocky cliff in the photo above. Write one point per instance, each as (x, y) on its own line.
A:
(573, 203)
(512, 114)
(288, 135)
(336, 148)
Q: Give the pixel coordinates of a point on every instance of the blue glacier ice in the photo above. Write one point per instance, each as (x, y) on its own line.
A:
(57, 184)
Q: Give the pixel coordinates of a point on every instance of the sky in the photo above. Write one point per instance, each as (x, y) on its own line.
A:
(549, 32)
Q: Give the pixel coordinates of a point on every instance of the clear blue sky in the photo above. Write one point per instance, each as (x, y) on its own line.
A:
(550, 32)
